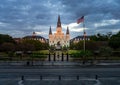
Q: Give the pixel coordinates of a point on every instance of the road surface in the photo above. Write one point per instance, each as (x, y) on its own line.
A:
(59, 75)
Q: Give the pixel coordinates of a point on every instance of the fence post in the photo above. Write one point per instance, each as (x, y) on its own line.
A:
(49, 57)
(54, 57)
(77, 77)
(28, 63)
(67, 56)
(22, 78)
(59, 77)
(41, 77)
(62, 56)
(96, 77)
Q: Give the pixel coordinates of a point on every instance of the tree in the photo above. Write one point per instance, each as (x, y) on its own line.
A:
(45, 46)
(6, 38)
(6, 47)
(109, 34)
(64, 48)
(9, 48)
(105, 51)
(37, 44)
(52, 48)
(89, 45)
(114, 41)
(101, 37)
(72, 45)
(86, 53)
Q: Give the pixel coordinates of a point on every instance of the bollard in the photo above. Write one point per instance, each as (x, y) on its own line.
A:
(54, 56)
(83, 62)
(96, 77)
(28, 63)
(22, 77)
(41, 77)
(49, 57)
(62, 57)
(59, 77)
(62, 54)
(67, 56)
(77, 77)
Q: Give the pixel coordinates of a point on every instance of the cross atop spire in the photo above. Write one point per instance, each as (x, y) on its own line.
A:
(59, 22)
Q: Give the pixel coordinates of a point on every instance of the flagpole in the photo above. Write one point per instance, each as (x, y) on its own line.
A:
(82, 20)
(84, 34)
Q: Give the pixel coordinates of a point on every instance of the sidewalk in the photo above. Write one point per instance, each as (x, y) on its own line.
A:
(56, 63)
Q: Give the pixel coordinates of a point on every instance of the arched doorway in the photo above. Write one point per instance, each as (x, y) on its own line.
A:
(58, 47)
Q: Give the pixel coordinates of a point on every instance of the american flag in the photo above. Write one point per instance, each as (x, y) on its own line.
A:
(80, 20)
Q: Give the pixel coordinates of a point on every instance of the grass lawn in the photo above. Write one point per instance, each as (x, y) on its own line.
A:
(73, 51)
(3, 54)
(42, 52)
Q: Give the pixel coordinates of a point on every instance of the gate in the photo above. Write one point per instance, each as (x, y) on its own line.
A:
(58, 56)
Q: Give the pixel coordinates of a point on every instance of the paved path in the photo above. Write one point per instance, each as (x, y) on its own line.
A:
(62, 63)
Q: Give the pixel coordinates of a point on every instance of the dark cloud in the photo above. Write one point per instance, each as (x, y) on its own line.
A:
(25, 16)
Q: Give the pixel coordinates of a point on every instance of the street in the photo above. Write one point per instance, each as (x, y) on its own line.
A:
(59, 75)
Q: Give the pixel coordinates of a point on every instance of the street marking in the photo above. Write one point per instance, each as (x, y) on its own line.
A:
(98, 82)
(20, 82)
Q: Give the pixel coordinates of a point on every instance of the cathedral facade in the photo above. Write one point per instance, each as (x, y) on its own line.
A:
(59, 38)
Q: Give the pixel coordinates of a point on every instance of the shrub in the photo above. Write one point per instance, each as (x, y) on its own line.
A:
(105, 51)
(82, 53)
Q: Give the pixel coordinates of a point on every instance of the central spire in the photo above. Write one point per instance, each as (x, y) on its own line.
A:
(59, 22)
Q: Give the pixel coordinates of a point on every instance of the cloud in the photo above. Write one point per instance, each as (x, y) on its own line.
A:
(106, 23)
(25, 16)
(2, 24)
(39, 33)
(74, 27)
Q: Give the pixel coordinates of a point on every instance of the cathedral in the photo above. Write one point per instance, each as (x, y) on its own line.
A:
(59, 39)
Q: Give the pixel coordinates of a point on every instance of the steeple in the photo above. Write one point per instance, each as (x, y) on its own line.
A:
(50, 31)
(67, 31)
(59, 22)
(34, 34)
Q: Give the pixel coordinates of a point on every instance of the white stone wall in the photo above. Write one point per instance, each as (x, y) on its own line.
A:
(64, 40)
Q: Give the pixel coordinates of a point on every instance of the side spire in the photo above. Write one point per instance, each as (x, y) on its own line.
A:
(67, 32)
(50, 30)
(59, 22)
(34, 34)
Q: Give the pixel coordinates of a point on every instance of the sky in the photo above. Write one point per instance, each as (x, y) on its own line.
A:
(19, 18)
